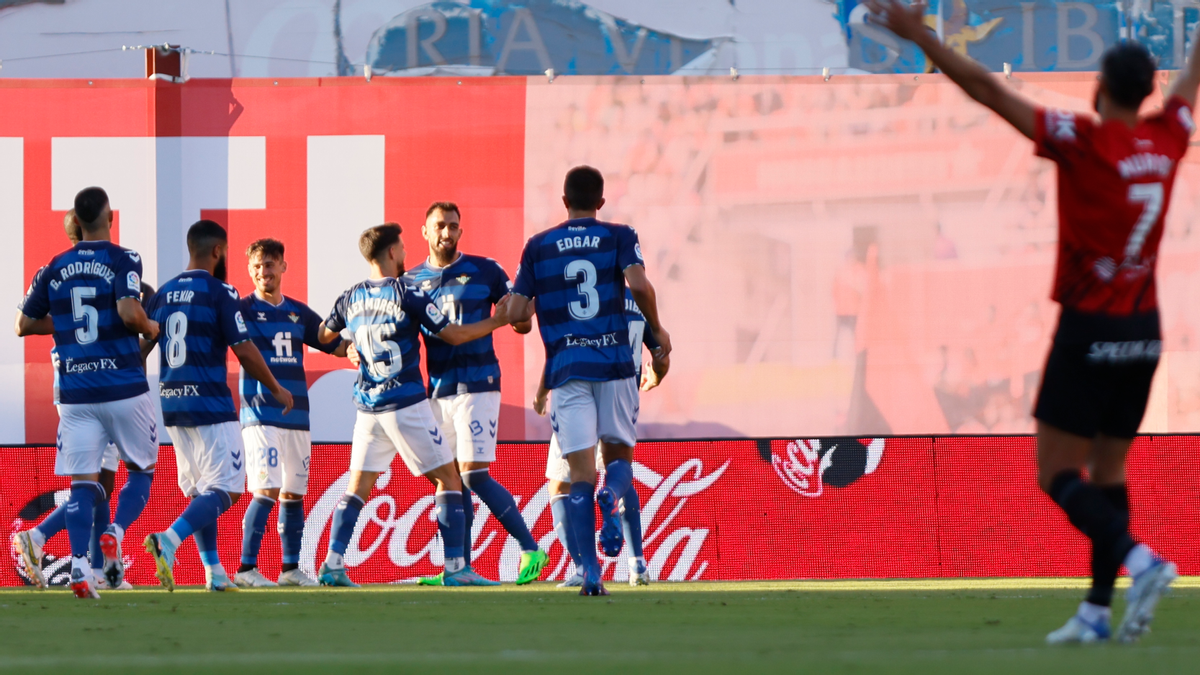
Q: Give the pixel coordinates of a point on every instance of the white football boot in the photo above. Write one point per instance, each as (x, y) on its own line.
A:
(297, 577)
(253, 579)
(1081, 629)
(575, 581)
(639, 574)
(1142, 597)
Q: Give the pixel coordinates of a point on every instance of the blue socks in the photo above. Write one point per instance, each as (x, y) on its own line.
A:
(581, 510)
(451, 523)
(562, 527)
(254, 525)
(206, 544)
(81, 513)
(203, 510)
(502, 505)
(133, 497)
(468, 522)
(619, 477)
(291, 531)
(54, 523)
(345, 517)
(631, 519)
(100, 522)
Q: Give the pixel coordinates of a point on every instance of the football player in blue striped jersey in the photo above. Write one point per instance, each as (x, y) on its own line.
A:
(464, 380)
(577, 273)
(278, 446)
(89, 298)
(202, 320)
(385, 316)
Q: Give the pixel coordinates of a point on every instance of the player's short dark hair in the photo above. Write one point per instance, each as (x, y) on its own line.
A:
(583, 188)
(72, 228)
(1128, 70)
(374, 241)
(444, 207)
(267, 248)
(203, 236)
(89, 204)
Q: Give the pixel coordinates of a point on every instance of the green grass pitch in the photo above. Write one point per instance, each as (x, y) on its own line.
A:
(855, 627)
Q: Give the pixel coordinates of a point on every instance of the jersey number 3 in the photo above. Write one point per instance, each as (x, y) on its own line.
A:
(590, 306)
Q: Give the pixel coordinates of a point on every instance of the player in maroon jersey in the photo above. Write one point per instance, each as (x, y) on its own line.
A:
(1114, 184)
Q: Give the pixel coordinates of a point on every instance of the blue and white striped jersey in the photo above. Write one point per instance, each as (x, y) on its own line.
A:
(98, 357)
(576, 272)
(198, 318)
(386, 316)
(465, 290)
(638, 335)
(280, 333)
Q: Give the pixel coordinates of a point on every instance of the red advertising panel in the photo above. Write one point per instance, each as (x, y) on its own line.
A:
(714, 510)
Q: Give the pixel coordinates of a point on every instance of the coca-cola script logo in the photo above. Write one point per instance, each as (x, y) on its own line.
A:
(807, 465)
(406, 534)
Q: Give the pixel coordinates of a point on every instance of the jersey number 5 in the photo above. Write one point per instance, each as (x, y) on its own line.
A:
(85, 313)
(1150, 196)
(586, 287)
(373, 345)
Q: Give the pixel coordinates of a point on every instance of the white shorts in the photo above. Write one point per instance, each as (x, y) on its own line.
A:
(411, 431)
(583, 413)
(86, 429)
(469, 423)
(277, 458)
(557, 466)
(210, 457)
(111, 460)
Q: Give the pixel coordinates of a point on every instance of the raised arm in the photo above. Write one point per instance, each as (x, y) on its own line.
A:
(907, 21)
(1188, 81)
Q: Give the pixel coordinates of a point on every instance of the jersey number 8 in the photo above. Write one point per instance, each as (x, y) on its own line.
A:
(176, 347)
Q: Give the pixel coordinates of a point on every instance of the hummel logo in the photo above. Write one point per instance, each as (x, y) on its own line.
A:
(554, 422)
(437, 435)
(636, 409)
(492, 431)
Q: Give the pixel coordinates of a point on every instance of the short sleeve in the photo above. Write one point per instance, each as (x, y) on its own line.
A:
(524, 284)
(500, 285)
(36, 303)
(312, 329)
(229, 314)
(128, 269)
(629, 249)
(1177, 120)
(336, 321)
(417, 303)
(1061, 135)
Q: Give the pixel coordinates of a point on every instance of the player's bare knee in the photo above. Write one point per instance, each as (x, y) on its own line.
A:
(289, 496)
(107, 480)
(273, 493)
(466, 467)
(361, 483)
(614, 451)
(559, 488)
(446, 478)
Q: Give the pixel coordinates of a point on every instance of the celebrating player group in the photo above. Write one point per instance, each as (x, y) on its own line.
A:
(106, 323)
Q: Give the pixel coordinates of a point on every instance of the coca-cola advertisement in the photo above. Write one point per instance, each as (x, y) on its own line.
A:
(711, 510)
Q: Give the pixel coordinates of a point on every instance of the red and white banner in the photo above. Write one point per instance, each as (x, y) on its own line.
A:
(711, 510)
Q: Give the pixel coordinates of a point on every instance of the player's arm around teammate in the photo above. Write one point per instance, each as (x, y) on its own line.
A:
(465, 379)
(385, 317)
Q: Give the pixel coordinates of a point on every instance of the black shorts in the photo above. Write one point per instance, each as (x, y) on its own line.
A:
(1098, 375)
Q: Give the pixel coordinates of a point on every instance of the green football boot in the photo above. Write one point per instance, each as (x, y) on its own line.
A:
(532, 563)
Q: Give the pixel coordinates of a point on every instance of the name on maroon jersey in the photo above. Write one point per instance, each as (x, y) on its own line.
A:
(1145, 164)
